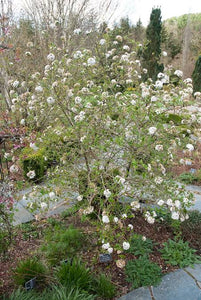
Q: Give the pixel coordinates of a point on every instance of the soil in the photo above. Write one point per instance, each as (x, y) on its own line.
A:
(26, 243)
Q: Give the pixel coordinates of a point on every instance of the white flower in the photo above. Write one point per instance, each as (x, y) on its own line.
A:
(177, 203)
(107, 193)
(79, 198)
(43, 205)
(51, 57)
(160, 75)
(102, 42)
(144, 238)
(152, 130)
(52, 195)
(119, 38)
(160, 202)
(50, 100)
(33, 146)
(190, 147)
(126, 48)
(130, 226)
(91, 61)
(22, 122)
(158, 180)
(159, 147)
(158, 84)
(15, 84)
(169, 202)
(31, 174)
(39, 89)
(77, 31)
(133, 102)
(110, 250)
(14, 169)
(135, 205)
(88, 210)
(6, 155)
(116, 219)
(175, 215)
(82, 138)
(178, 73)
(105, 219)
(126, 245)
(28, 53)
(78, 100)
(164, 53)
(106, 246)
(150, 220)
(77, 54)
(124, 216)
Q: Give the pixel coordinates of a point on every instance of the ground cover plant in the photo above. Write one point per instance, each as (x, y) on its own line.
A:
(96, 137)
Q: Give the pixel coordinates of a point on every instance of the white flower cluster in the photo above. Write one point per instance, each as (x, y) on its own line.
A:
(80, 117)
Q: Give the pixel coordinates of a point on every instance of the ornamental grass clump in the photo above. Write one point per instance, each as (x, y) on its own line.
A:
(29, 269)
(74, 274)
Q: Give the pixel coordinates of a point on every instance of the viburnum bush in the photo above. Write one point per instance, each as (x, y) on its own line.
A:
(119, 136)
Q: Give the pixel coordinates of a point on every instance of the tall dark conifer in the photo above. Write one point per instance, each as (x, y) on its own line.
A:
(196, 76)
(152, 50)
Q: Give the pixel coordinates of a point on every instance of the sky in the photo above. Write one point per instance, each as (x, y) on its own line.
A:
(136, 9)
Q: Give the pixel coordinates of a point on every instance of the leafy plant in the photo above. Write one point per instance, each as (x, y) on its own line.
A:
(142, 272)
(62, 243)
(178, 253)
(74, 274)
(104, 288)
(188, 177)
(138, 246)
(28, 269)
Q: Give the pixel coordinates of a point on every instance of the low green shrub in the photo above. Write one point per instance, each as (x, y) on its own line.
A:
(74, 274)
(140, 247)
(104, 288)
(142, 272)
(28, 269)
(33, 161)
(188, 178)
(178, 253)
(62, 243)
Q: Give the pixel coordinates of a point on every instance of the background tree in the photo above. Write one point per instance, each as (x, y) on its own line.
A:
(196, 76)
(152, 50)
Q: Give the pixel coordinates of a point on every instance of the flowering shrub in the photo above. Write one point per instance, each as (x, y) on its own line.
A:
(119, 136)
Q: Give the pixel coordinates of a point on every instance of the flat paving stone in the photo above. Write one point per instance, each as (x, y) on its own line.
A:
(177, 286)
(21, 215)
(196, 271)
(138, 294)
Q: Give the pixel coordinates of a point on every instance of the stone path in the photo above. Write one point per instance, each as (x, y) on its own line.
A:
(182, 284)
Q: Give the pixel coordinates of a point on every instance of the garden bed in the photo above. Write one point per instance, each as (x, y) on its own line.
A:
(30, 237)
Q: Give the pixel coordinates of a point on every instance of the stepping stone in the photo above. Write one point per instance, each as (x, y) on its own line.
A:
(21, 215)
(177, 285)
(138, 294)
(196, 271)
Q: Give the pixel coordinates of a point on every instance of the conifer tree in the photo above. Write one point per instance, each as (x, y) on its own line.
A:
(196, 76)
(152, 50)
